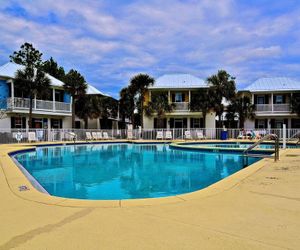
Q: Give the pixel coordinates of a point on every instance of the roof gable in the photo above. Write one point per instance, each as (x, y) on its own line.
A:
(274, 84)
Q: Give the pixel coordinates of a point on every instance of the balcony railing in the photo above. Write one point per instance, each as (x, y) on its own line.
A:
(38, 105)
(181, 106)
(273, 108)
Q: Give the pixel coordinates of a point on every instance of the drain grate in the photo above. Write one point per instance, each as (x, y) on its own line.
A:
(23, 188)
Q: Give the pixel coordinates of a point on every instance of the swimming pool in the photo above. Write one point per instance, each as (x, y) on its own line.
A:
(126, 171)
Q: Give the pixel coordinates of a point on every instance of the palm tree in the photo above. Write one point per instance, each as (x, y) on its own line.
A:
(223, 86)
(74, 84)
(139, 85)
(202, 101)
(108, 109)
(88, 107)
(242, 108)
(126, 105)
(159, 105)
(295, 104)
(31, 82)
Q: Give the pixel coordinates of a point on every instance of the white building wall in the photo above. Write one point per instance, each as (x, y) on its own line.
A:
(249, 124)
(5, 123)
(148, 122)
(210, 124)
(67, 122)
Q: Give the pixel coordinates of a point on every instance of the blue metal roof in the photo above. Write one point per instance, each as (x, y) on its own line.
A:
(177, 81)
(274, 84)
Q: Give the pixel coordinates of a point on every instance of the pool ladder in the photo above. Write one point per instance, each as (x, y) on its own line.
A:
(273, 137)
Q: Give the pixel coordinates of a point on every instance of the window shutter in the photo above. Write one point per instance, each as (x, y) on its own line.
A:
(192, 122)
(23, 122)
(173, 97)
(266, 123)
(283, 98)
(272, 123)
(183, 97)
(286, 122)
(256, 123)
(184, 122)
(266, 99)
(255, 99)
(165, 122)
(12, 120)
(202, 123)
(155, 122)
(60, 123)
(171, 122)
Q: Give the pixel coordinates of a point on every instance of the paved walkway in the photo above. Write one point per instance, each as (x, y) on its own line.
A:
(256, 208)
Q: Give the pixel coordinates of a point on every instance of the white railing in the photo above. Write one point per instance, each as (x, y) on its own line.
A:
(9, 135)
(181, 106)
(273, 107)
(41, 105)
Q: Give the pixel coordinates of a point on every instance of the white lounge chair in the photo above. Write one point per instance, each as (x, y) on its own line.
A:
(88, 136)
(94, 135)
(32, 137)
(105, 136)
(187, 135)
(159, 135)
(99, 135)
(129, 135)
(200, 135)
(169, 135)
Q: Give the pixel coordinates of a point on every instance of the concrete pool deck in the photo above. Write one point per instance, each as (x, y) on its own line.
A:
(256, 208)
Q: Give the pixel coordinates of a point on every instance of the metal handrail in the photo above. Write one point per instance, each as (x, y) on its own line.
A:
(266, 137)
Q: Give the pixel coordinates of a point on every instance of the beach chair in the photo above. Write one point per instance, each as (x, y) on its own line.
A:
(187, 135)
(129, 135)
(169, 135)
(94, 135)
(159, 135)
(257, 135)
(72, 136)
(99, 135)
(32, 137)
(88, 136)
(241, 135)
(105, 136)
(200, 135)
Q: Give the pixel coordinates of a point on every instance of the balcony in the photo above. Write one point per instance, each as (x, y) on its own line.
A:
(18, 103)
(181, 106)
(273, 108)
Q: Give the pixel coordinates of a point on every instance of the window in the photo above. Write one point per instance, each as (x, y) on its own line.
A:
(279, 123)
(18, 122)
(196, 122)
(260, 100)
(77, 124)
(56, 123)
(178, 97)
(278, 99)
(261, 124)
(59, 95)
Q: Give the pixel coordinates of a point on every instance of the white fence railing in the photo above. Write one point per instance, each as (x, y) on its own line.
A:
(273, 107)
(181, 106)
(52, 135)
(23, 103)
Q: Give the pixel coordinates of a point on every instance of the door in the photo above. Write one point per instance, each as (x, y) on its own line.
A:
(178, 123)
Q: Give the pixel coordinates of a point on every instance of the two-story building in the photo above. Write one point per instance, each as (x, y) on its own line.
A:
(272, 98)
(53, 111)
(179, 88)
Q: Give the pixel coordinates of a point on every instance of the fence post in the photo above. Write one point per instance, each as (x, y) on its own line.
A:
(284, 136)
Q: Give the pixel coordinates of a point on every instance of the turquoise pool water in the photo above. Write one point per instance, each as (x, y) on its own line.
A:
(126, 171)
(235, 145)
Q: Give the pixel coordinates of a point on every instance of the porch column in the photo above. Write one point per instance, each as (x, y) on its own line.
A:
(53, 99)
(168, 122)
(272, 98)
(189, 99)
(169, 96)
(252, 98)
(50, 137)
(71, 101)
(12, 94)
(188, 122)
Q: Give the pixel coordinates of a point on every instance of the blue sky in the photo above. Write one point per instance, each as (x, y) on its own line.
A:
(110, 41)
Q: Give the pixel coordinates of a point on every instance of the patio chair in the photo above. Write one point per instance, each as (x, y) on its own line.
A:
(32, 137)
(257, 135)
(159, 135)
(94, 135)
(99, 135)
(200, 135)
(105, 136)
(88, 136)
(169, 135)
(187, 135)
(129, 135)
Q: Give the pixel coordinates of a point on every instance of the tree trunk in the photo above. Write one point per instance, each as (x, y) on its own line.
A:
(73, 112)
(241, 123)
(30, 112)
